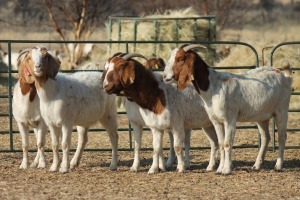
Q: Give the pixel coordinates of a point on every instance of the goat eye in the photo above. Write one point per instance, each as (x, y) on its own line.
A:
(181, 59)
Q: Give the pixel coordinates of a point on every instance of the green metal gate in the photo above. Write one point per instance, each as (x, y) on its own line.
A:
(127, 129)
(295, 68)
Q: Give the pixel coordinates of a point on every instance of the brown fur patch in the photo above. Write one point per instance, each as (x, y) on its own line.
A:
(138, 84)
(145, 90)
(32, 92)
(25, 88)
(155, 63)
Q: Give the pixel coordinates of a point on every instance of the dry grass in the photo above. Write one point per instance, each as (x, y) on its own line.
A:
(165, 31)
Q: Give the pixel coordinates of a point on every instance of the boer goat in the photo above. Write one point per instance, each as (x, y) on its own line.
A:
(137, 123)
(256, 96)
(69, 100)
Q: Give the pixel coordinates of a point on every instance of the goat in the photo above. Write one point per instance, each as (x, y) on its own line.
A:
(4, 57)
(70, 100)
(137, 123)
(155, 63)
(26, 111)
(160, 106)
(255, 96)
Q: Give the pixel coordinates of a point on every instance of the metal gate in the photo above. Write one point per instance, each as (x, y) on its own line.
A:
(8, 96)
(295, 68)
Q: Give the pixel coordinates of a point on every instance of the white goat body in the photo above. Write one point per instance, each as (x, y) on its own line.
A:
(71, 100)
(79, 102)
(26, 111)
(255, 96)
(137, 123)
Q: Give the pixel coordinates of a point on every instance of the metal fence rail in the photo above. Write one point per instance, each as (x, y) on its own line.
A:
(127, 43)
(297, 68)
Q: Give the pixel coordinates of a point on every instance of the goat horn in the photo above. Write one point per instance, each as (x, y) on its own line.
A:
(131, 55)
(121, 55)
(23, 51)
(192, 46)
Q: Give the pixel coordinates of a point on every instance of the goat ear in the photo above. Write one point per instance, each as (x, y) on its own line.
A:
(127, 75)
(24, 71)
(186, 74)
(53, 66)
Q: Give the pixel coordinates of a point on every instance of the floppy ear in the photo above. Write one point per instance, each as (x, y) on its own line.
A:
(186, 74)
(127, 74)
(25, 73)
(53, 65)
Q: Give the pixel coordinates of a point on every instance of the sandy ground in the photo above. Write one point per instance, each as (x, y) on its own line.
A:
(93, 179)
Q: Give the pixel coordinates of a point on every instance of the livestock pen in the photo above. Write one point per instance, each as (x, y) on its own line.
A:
(98, 182)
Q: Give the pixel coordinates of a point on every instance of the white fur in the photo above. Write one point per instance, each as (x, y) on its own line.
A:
(27, 114)
(184, 110)
(255, 96)
(74, 100)
(78, 101)
(5, 59)
(137, 123)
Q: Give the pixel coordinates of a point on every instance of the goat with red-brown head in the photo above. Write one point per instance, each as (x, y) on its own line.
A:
(255, 96)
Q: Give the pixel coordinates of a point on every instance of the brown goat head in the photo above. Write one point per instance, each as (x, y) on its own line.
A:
(120, 72)
(183, 66)
(155, 63)
(119, 75)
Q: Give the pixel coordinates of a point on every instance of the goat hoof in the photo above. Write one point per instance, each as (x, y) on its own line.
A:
(153, 170)
(169, 164)
(162, 169)
(64, 170)
(73, 166)
(133, 169)
(226, 171)
(255, 168)
(42, 165)
(113, 168)
(210, 168)
(181, 170)
(34, 165)
(278, 170)
(24, 165)
(53, 168)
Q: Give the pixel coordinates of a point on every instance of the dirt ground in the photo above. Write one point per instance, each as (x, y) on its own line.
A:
(93, 179)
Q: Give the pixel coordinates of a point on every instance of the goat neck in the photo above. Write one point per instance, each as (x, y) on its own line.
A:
(145, 91)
